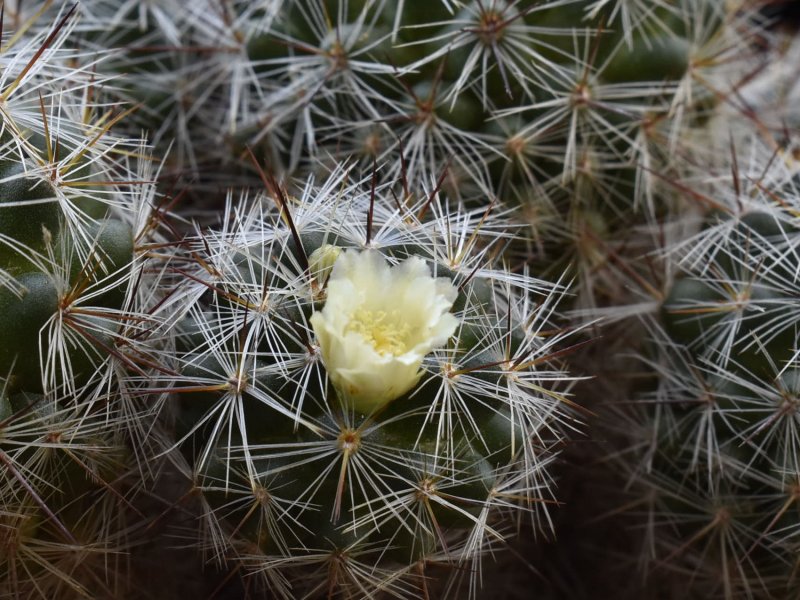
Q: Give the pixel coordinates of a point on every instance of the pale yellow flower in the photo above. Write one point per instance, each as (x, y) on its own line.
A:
(377, 325)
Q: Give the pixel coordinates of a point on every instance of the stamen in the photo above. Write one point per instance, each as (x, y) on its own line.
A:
(384, 331)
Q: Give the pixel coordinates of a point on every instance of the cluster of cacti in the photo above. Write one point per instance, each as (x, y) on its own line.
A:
(331, 314)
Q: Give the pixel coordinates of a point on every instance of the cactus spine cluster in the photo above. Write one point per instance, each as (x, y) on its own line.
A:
(324, 266)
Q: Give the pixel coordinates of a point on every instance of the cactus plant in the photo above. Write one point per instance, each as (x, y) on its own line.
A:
(344, 426)
(711, 461)
(332, 314)
(73, 213)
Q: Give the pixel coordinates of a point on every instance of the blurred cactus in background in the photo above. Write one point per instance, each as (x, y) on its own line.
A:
(76, 217)
(344, 297)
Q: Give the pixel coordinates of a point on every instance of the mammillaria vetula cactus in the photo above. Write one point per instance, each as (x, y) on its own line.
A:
(355, 357)
(364, 389)
(75, 204)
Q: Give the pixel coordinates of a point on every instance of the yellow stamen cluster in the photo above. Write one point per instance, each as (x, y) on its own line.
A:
(384, 331)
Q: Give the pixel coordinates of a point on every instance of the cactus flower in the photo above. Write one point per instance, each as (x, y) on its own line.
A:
(378, 324)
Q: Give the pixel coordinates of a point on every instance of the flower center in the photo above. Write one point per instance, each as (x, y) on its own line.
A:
(384, 330)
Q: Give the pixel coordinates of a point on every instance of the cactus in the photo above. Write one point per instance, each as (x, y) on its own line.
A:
(345, 455)
(718, 455)
(711, 462)
(345, 307)
(73, 214)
